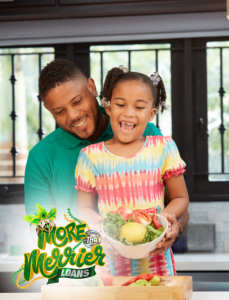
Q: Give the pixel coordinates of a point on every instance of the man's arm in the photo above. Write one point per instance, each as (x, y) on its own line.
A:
(37, 185)
(37, 189)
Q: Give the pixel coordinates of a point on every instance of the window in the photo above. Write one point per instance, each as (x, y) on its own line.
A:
(23, 122)
(193, 70)
(207, 171)
(218, 110)
(27, 123)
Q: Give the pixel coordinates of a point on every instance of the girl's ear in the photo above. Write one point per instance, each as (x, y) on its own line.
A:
(152, 114)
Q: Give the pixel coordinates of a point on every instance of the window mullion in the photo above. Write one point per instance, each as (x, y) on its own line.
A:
(14, 150)
(40, 131)
(222, 127)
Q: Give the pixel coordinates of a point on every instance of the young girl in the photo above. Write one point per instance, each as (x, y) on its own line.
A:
(132, 170)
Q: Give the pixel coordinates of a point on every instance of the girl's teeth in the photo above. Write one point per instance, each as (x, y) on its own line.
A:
(127, 127)
(131, 124)
(127, 131)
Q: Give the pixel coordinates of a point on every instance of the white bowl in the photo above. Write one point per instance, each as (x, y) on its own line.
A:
(139, 251)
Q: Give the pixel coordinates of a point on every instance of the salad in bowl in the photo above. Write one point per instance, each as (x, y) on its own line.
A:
(134, 234)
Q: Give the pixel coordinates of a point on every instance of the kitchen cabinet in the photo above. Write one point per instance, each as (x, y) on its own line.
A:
(27, 3)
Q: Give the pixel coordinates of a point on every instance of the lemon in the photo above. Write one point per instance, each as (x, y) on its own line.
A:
(133, 232)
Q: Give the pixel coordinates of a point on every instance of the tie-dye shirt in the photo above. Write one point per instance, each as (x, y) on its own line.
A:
(137, 182)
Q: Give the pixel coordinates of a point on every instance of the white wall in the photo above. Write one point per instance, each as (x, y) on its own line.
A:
(215, 213)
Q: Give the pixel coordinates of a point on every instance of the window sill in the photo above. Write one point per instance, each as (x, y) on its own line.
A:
(9, 180)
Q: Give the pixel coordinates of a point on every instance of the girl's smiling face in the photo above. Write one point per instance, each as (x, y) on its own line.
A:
(132, 106)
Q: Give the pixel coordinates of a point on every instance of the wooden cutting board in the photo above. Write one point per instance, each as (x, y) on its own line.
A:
(174, 288)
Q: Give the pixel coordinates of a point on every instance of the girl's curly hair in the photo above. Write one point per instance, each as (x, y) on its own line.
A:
(116, 75)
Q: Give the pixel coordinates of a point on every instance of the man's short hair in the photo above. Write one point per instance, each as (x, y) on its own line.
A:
(57, 72)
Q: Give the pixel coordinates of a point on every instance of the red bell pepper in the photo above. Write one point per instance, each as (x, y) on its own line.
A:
(147, 277)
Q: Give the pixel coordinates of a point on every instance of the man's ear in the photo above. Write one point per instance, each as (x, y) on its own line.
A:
(91, 86)
(108, 110)
(152, 114)
(45, 106)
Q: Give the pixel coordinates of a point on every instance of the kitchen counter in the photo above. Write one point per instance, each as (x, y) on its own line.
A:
(202, 262)
(10, 263)
(195, 296)
(184, 262)
(210, 273)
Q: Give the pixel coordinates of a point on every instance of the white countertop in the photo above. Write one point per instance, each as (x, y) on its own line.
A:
(195, 296)
(202, 262)
(10, 263)
(184, 262)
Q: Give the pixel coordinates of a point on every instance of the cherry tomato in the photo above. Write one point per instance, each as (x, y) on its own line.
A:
(156, 222)
(142, 217)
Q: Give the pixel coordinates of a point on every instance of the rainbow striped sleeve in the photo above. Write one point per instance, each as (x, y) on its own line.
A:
(85, 179)
(172, 162)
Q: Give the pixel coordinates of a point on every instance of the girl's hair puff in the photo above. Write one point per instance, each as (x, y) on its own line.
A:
(116, 75)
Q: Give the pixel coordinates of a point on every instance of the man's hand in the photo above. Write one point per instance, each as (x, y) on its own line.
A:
(170, 235)
(108, 248)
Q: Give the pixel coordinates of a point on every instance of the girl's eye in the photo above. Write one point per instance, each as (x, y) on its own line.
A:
(120, 104)
(140, 107)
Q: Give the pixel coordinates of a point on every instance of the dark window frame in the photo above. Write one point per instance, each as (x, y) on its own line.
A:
(204, 190)
(189, 102)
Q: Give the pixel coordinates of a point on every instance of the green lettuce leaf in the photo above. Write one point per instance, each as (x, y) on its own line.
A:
(112, 225)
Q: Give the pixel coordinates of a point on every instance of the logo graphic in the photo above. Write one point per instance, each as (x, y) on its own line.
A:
(57, 265)
(93, 238)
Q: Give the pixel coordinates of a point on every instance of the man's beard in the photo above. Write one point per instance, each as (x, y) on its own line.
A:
(96, 118)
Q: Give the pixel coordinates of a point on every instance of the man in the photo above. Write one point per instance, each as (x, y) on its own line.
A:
(49, 176)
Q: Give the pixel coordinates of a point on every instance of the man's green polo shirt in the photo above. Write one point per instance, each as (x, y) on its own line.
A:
(49, 174)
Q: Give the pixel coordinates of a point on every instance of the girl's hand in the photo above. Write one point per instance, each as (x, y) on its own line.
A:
(170, 236)
(86, 207)
(96, 225)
